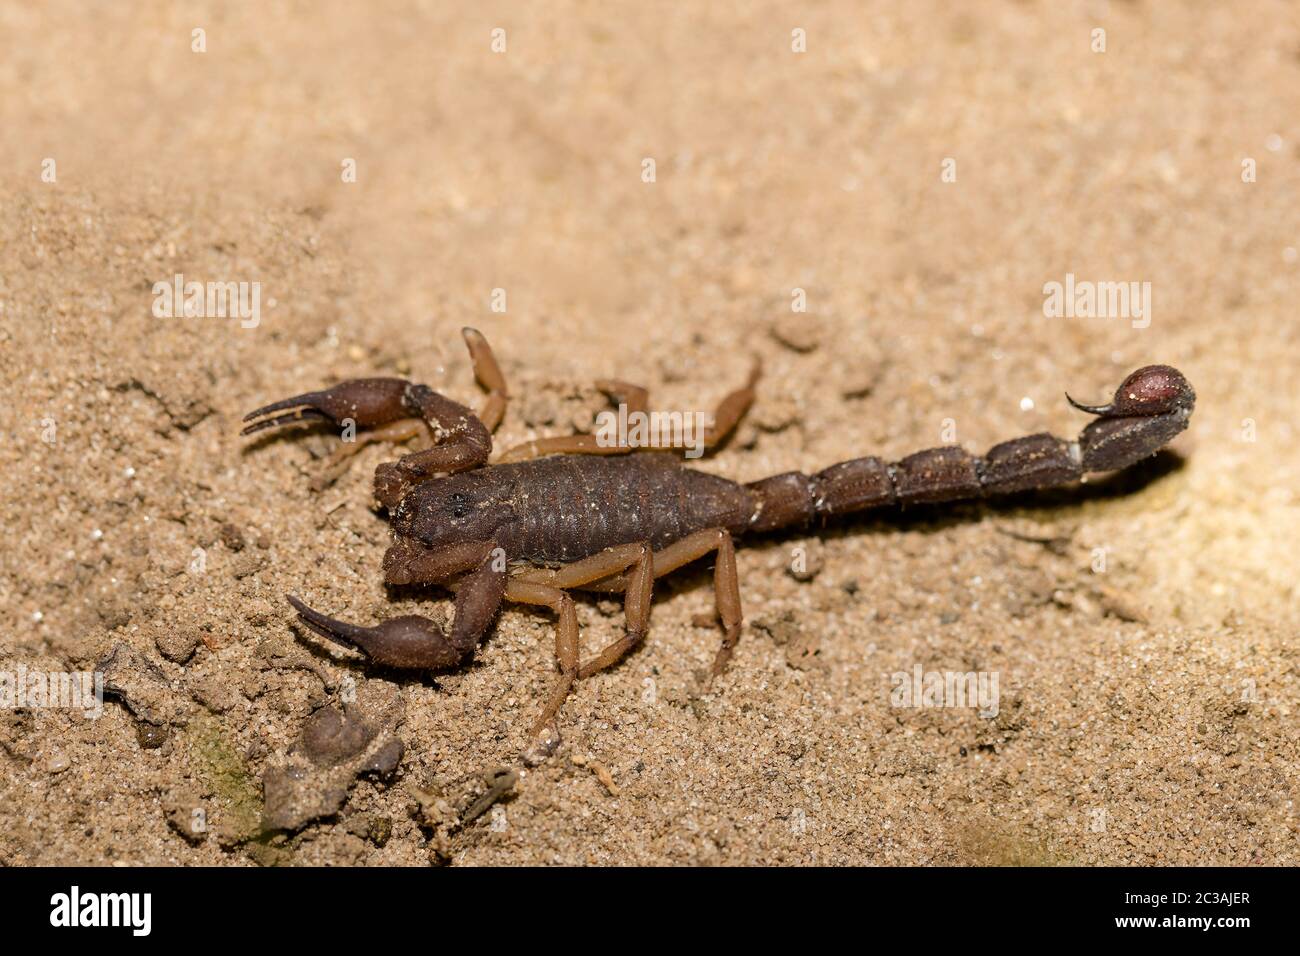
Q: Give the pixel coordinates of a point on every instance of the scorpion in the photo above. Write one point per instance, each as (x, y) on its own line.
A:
(576, 513)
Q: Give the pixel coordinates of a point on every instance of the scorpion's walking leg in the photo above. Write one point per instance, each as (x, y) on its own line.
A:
(489, 376)
(414, 642)
(635, 397)
(726, 584)
(542, 587)
(732, 408)
(566, 640)
(725, 416)
(394, 433)
(394, 409)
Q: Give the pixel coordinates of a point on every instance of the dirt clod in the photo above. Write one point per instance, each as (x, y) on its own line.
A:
(177, 645)
(332, 736)
(140, 685)
(333, 750)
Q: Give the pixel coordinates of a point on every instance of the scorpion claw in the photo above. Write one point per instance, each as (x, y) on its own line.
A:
(366, 401)
(409, 642)
(305, 399)
(298, 415)
(347, 635)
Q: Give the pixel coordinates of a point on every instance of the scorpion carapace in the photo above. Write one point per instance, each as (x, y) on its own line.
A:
(570, 512)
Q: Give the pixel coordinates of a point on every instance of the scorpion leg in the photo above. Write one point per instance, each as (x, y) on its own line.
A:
(637, 572)
(566, 640)
(394, 409)
(412, 642)
(395, 433)
(726, 585)
(633, 396)
(489, 376)
(725, 416)
(732, 407)
(544, 586)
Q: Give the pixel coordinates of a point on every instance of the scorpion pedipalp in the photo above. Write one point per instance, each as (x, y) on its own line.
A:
(404, 642)
(397, 410)
(411, 642)
(366, 401)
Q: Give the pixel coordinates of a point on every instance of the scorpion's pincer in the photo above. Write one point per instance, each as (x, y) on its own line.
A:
(366, 401)
(408, 642)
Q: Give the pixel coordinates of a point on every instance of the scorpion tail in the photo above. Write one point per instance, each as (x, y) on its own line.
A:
(1149, 408)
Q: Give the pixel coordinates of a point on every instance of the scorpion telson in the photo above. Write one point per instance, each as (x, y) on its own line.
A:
(567, 513)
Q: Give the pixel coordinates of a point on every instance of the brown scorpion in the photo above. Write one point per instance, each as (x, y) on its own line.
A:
(573, 512)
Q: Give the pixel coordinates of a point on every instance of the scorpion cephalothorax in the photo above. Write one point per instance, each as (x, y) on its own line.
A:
(573, 513)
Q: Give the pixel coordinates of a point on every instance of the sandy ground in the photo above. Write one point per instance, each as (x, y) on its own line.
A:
(1148, 710)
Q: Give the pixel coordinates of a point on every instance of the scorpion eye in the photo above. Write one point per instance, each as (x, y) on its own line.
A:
(458, 506)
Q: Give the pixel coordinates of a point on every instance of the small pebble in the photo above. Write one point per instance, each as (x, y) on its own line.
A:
(606, 778)
(58, 763)
(800, 333)
(232, 537)
(151, 736)
(547, 742)
(331, 736)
